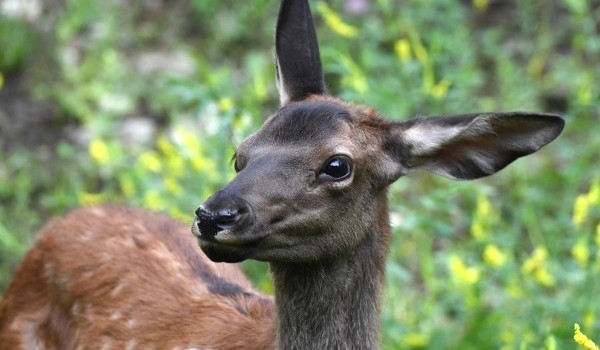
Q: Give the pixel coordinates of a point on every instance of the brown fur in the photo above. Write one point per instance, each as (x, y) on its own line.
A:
(134, 282)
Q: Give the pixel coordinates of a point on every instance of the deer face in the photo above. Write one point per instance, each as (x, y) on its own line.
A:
(311, 182)
(299, 177)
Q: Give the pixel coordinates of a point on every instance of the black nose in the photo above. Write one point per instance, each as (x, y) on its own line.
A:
(212, 222)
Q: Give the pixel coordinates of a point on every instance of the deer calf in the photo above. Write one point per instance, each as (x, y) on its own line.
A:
(309, 198)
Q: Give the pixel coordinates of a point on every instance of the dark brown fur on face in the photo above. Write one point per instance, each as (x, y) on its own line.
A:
(120, 278)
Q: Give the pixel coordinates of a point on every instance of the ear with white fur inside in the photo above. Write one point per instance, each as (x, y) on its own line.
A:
(471, 146)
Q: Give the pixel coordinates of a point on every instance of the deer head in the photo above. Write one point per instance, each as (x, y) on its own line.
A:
(311, 183)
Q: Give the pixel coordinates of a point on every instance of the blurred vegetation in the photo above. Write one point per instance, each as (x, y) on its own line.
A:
(142, 102)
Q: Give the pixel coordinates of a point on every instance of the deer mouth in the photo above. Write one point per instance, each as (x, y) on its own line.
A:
(229, 251)
(231, 245)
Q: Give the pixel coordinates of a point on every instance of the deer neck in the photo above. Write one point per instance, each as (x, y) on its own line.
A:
(333, 305)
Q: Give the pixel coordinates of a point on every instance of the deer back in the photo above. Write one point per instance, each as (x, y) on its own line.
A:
(114, 277)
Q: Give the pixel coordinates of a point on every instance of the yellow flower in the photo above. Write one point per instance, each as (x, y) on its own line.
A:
(580, 209)
(535, 265)
(589, 319)
(483, 219)
(179, 215)
(354, 78)
(173, 186)
(581, 253)
(89, 199)
(334, 21)
(481, 5)
(462, 273)
(165, 146)
(150, 161)
(493, 256)
(153, 200)
(598, 235)
(440, 90)
(225, 104)
(127, 186)
(98, 150)
(536, 66)
(535, 261)
(551, 343)
(584, 202)
(402, 48)
(583, 340)
(415, 340)
(545, 277)
(594, 193)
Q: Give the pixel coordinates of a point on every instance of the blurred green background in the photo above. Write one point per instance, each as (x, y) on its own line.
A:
(143, 102)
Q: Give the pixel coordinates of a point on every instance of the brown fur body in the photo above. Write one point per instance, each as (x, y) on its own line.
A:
(119, 278)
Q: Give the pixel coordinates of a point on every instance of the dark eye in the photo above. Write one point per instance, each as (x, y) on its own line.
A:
(337, 168)
(238, 162)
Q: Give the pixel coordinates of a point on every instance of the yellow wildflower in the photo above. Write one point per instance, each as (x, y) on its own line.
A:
(545, 277)
(585, 93)
(153, 200)
(551, 343)
(173, 186)
(598, 235)
(89, 199)
(179, 215)
(402, 48)
(589, 319)
(584, 202)
(580, 209)
(481, 5)
(190, 142)
(581, 253)
(415, 340)
(536, 66)
(483, 219)
(440, 90)
(151, 161)
(462, 273)
(177, 166)
(335, 22)
(583, 340)
(594, 193)
(127, 186)
(355, 78)
(98, 150)
(225, 104)
(165, 146)
(493, 256)
(419, 49)
(535, 265)
(536, 260)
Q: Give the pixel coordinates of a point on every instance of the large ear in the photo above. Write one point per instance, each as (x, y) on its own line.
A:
(299, 72)
(472, 146)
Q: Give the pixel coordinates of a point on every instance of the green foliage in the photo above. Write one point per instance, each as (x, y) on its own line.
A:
(15, 42)
(510, 262)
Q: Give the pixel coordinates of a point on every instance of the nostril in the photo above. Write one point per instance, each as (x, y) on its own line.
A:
(210, 223)
(226, 216)
(205, 221)
(202, 213)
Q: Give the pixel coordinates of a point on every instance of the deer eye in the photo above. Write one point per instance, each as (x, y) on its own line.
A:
(337, 168)
(239, 162)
